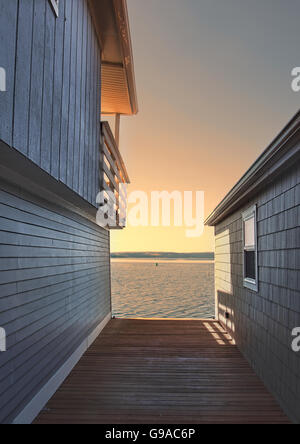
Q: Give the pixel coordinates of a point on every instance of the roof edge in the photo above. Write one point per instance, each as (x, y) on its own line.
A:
(276, 155)
(116, 37)
(122, 19)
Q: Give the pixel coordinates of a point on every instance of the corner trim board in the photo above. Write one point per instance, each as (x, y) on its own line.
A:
(34, 407)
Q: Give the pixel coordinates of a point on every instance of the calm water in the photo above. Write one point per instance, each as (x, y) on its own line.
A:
(173, 289)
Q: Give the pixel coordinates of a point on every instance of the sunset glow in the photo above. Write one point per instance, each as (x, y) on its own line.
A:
(208, 101)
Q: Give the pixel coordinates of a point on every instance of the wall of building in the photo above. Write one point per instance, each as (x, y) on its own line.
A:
(51, 109)
(54, 290)
(262, 322)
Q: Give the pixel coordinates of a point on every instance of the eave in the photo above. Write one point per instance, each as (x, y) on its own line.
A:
(280, 154)
(111, 21)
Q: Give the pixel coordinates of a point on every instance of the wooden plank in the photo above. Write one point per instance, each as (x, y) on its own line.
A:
(93, 148)
(83, 129)
(162, 371)
(111, 162)
(98, 116)
(36, 87)
(117, 130)
(105, 186)
(87, 111)
(78, 57)
(57, 91)
(65, 92)
(23, 73)
(46, 130)
(114, 184)
(72, 98)
(93, 122)
(8, 32)
(90, 114)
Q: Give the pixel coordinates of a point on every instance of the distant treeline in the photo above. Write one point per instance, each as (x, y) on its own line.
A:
(162, 255)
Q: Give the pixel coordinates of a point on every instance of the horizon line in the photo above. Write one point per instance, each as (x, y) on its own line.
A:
(163, 253)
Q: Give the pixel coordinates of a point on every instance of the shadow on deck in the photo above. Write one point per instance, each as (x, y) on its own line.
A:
(162, 371)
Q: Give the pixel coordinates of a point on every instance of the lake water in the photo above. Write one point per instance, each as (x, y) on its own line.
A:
(173, 289)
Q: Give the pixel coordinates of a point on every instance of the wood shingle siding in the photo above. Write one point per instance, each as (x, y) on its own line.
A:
(262, 322)
(51, 110)
(54, 290)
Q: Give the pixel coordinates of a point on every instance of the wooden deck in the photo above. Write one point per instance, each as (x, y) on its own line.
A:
(158, 371)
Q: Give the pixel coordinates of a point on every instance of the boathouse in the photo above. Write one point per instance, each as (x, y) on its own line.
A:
(66, 64)
(257, 265)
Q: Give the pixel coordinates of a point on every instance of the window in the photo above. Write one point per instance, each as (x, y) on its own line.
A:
(55, 6)
(250, 249)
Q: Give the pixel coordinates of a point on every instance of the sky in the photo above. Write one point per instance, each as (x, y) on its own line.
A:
(214, 89)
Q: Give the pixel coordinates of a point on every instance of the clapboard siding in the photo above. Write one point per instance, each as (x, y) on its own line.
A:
(262, 322)
(54, 290)
(51, 110)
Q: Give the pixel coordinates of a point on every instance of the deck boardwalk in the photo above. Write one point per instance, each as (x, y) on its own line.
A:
(162, 371)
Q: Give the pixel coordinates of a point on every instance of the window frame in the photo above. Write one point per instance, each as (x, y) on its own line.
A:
(55, 6)
(251, 284)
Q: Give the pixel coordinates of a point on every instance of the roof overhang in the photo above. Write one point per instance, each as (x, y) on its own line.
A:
(118, 79)
(283, 152)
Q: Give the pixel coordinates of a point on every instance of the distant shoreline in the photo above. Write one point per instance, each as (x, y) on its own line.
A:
(162, 255)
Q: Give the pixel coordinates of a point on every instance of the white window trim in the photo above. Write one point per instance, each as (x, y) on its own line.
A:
(55, 6)
(251, 284)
